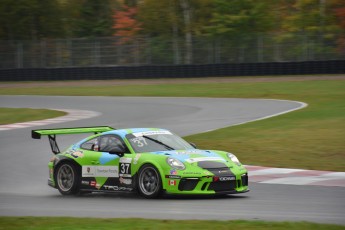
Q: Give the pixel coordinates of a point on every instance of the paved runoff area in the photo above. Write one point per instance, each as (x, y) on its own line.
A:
(268, 175)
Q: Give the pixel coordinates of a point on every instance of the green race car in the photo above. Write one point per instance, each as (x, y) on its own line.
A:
(147, 160)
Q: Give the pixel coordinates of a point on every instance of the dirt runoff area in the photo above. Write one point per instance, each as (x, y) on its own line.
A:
(205, 80)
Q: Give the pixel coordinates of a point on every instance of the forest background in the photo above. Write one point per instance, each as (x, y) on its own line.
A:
(314, 28)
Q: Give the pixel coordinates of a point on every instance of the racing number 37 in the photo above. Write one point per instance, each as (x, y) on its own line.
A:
(125, 168)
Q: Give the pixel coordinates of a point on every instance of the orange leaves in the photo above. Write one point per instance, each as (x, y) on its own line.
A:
(125, 23)
(340, 12)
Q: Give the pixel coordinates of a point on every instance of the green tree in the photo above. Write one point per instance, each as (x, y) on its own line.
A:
(241, 18)
(175, 19)
(339, 8)
(95, 19)
(314, 24)
(238, 28)
(314, 17)
(30, 19)
(70, 14)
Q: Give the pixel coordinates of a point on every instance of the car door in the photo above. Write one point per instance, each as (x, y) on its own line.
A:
(98, 165)
(114, 146)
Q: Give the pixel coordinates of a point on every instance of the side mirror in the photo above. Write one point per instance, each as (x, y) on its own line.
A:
(192, 144)
(120, 151)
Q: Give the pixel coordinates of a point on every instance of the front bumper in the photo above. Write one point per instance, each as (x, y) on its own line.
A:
(207, 185)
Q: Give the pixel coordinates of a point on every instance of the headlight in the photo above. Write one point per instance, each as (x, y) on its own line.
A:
(234, 159)
(174, 163)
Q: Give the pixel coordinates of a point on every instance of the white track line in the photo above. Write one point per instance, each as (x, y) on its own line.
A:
(301, 106)
(73, 115)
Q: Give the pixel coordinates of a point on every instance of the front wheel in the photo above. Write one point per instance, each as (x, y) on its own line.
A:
(67, 179)
(149, 182)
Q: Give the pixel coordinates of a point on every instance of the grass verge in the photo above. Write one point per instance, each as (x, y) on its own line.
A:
(15, 115)
(56, 223)
(312, 138)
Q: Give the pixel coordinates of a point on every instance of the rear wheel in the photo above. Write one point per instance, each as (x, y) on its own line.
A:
(67, 179)
(149, 182)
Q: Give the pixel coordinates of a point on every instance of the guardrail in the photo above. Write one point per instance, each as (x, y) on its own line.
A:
(173, 71)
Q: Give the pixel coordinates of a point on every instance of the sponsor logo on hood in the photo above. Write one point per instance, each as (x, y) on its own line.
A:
(198, 159)
(193, 155)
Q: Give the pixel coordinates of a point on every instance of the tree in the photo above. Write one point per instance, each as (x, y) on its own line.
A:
(30, 19)
(125, 24)
(238, 26)
(161, 23)
(175, 19)
(314, 23)
(157, 17)
(241, 18)
(95, 19)
(339, 10)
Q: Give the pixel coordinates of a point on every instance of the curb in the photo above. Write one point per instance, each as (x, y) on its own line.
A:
(266, 175)
(72, 115)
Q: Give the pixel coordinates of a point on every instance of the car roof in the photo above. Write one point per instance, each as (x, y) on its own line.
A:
(124, 132)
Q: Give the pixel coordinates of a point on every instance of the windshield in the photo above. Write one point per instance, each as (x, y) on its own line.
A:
(156, 141)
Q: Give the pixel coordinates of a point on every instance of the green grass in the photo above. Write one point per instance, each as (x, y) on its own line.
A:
(14, 115)
(57, 223)
(311, 138)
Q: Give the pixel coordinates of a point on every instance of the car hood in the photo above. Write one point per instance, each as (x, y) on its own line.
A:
(194, 155)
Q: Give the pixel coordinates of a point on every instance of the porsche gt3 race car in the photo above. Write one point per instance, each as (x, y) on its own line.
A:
(147, 160)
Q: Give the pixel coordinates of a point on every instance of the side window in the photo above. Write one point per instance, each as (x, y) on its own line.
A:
(108, 143)
(90, 144)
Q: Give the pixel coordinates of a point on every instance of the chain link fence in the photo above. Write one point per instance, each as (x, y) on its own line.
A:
(114, 51)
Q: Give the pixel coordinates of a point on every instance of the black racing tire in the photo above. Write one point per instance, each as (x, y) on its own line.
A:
(67, 178)
(149, 181)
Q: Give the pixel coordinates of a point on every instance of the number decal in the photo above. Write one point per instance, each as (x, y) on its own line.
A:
(139, 141)
(125, 168)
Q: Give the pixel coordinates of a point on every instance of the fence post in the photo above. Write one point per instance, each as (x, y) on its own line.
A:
(70, 50)
(148, 51)
(136, 52)
(210, 48)
(260, 48)
(277, 52)
(305, 48)
(96, 53)
(176, 51)
(43, 53)
(217, 43)
(58, 53)
(19, 58)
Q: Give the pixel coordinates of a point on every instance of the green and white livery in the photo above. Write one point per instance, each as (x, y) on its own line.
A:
(148, 160)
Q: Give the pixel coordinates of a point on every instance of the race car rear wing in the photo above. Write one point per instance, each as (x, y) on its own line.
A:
(51, 133)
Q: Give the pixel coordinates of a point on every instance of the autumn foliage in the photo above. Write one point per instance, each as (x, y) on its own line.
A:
(181, 22)
(125, 24)
(340, 12)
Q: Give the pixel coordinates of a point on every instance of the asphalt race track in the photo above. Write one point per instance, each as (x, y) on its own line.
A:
(23, 165)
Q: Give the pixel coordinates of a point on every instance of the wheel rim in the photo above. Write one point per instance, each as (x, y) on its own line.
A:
(65, 177)
(149, 181)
